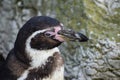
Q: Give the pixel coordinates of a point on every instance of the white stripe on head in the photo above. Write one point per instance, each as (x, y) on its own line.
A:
(61, 24)
(38, 57)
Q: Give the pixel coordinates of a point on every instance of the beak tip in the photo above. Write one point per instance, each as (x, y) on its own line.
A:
(74, 36)
(82, 38)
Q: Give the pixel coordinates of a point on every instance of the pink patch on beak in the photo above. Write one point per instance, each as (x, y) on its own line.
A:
(55, 34)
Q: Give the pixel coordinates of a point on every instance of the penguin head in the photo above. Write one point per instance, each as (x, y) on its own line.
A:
(40, 32)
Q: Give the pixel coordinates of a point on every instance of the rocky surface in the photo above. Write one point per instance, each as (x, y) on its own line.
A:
(97, 59)
(95, 65)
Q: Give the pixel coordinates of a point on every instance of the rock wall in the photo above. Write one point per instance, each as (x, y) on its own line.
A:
(97, 59)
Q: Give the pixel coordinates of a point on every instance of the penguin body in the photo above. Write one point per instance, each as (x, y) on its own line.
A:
(35, 55)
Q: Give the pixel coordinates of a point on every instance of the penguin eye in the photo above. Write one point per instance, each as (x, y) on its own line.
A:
(47, 34)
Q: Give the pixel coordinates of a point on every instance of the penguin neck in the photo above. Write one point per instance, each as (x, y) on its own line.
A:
(39, 57)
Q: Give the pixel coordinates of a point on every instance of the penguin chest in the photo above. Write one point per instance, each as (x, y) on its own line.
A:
(58, 74)
(51, 68)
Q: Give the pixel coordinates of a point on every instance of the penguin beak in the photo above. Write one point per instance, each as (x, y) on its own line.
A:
(72, 35)
(65, 35)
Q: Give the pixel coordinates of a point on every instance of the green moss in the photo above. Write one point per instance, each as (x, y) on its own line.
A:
(100, 23)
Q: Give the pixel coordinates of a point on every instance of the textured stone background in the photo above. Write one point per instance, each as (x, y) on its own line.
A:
(97, 59)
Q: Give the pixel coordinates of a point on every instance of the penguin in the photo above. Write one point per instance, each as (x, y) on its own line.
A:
(35, 55)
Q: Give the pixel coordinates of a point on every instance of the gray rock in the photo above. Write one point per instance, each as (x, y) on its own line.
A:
(89, 71)
(114, 64)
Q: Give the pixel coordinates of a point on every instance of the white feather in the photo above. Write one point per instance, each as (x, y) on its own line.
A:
(24, 75)
(58, 74)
